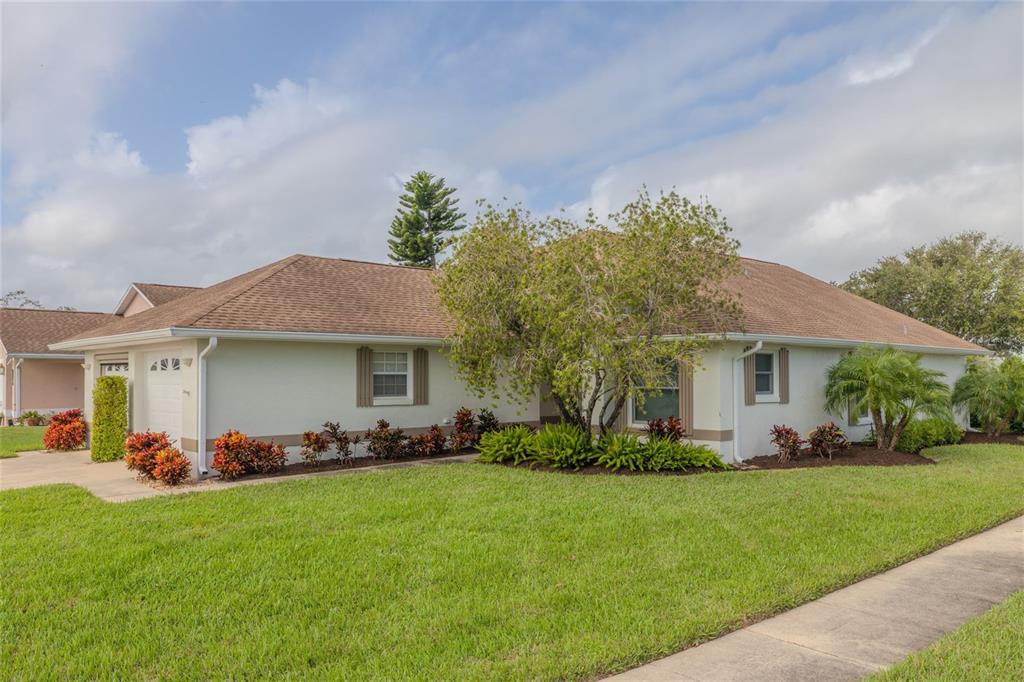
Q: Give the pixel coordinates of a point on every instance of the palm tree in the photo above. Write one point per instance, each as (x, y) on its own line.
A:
(987, 393)
(891, 385)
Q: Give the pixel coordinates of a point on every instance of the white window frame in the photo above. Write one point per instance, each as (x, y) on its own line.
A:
(407, 399)
(108, 363)
(772, 397)
(630, 401)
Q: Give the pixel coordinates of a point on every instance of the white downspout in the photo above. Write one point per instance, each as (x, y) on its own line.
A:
(736, 400)
(201, 406)
(17, 389)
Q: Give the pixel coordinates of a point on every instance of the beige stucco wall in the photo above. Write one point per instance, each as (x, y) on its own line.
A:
(51, 385)
(284, 388)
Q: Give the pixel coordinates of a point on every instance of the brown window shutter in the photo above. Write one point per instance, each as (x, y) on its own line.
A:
(364, 377)
(622, 421)
(686, 396)
(783, 375)
(749, 395)
(420, 385)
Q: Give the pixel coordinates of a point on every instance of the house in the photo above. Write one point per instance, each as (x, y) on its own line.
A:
(35, 377)
(46, 381)
(284, 348)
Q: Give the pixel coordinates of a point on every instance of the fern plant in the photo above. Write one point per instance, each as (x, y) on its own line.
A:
(620, 451)
(565, 446)
(665, 454)
(514, 444)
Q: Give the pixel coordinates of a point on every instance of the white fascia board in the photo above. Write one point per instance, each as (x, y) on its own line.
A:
(150, 336)
(842, 343)
(47, 356)
(123, 303)
(310, 337)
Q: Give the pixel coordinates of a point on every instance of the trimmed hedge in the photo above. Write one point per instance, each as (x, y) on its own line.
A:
(929, 433)
(109, 418)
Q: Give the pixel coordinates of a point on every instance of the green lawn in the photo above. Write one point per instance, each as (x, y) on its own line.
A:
(990, 647)
(458, 571)
(15, 439)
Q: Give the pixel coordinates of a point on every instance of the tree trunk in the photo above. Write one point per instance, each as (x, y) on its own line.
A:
(897, 431)
(609, 422)
(876, 420)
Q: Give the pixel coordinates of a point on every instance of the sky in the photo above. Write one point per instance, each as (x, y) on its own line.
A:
(186, 143)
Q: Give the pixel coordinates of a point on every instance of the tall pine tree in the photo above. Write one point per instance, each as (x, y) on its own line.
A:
(427, 214)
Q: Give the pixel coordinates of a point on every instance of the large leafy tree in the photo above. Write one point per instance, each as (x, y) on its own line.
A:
(427, 217)
(967, 284)
(891, 385)
(588, 311)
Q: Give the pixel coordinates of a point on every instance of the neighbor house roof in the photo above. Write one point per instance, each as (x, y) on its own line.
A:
(337, 296)
(158, 294)
(31, 330)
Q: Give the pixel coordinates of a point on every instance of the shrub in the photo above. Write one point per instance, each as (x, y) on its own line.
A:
(827, 440)
(66, 431)
(141, 449)
(665, 454)
(172, 467)
(669, 429)
(513, 444)
(929, 433)
(31, 418)
(564, 446)
(385, 442)
(236, 455)
(620, 451)
(464, 431)
(109, 418)
(341, 440)
(486, 422)
(429, 444)
(787, 442)
(314, 445)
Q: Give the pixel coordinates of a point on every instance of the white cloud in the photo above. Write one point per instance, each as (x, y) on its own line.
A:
(108, 153)
(279, 114)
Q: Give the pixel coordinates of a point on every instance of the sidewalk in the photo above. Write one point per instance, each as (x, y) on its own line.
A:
(113, 482)
(863, 628)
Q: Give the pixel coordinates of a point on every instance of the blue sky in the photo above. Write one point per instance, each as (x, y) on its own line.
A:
(190, 142)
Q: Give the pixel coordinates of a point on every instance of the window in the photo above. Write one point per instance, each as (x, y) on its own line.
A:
(661, 401)
(166, 365)
(116, 368)
(764, 374)
(390, 374)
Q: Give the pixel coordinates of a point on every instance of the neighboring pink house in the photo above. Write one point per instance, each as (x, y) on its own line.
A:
(36, 378)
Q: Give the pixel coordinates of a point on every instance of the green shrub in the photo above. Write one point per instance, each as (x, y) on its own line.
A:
(513, 444)
(620, 451)
(929, 433)
(665, 454)
(109, 418)
(565, 446)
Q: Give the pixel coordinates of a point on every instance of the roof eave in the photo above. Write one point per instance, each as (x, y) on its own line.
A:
(822, 342)
(310, 337)
(46, 356)
(112, 340)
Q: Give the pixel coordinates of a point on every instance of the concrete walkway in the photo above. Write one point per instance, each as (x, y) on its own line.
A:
(866, 627)
(113, 482)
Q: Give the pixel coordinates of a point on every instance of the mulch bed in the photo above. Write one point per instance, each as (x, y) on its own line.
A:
(355, 463)
(856, 455)
(593, 470)
(976, 438)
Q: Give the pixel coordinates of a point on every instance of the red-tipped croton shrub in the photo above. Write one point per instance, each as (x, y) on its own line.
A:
(235, 454)
(668, 429)
(464, 430)
(141, 449)
(66, 431)
(384, 442)
(827, 440)
(314, 445)
(429, 444)
(787, 442)
(340, 438)
(172, 467)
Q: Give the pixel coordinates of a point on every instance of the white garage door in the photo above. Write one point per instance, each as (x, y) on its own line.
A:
(163, 394)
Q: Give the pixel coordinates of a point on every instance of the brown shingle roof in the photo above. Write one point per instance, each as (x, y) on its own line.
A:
(31, 330)
(158, 294)
(330, 295)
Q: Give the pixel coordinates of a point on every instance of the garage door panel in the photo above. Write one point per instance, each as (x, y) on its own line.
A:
(162, 404)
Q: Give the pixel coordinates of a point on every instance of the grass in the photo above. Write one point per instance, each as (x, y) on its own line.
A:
(458, 571)
(15, 439)
(990, 647)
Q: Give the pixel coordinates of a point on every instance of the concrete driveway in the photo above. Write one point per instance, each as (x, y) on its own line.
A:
(110, 481)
